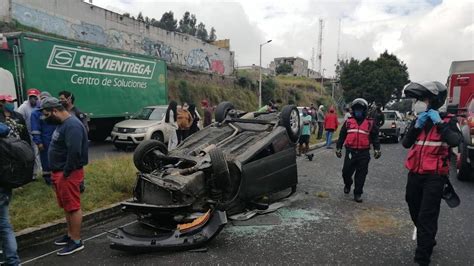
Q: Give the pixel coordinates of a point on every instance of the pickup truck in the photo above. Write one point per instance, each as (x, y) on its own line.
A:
(394, 126)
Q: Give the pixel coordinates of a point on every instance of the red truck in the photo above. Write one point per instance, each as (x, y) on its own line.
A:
(461, 102)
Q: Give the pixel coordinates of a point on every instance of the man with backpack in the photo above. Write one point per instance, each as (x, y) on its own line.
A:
(68, 154)
(7, 235)
(16, 169)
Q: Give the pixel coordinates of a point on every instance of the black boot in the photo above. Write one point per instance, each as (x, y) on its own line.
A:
(358, 198)
(347, 189)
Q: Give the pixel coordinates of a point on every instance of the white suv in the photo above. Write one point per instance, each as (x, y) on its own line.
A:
(146, 124)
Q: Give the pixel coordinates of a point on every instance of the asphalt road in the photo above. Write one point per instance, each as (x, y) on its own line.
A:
(320, 226)
(98, 150)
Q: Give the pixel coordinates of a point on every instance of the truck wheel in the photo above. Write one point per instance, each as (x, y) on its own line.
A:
(144, 158)
(290, 119)
(158, 135)
(222, 109)
(465, 170)
(220, 170)
(99, 135)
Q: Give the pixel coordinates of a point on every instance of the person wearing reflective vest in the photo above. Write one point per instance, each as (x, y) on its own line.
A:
(429, 137)
(357, 134)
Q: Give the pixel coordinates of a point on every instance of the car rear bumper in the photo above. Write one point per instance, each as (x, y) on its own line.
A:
(387, 132)
(169, 241)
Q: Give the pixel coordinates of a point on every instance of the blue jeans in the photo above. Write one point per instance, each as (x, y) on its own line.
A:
(329, 137)
(7, 235)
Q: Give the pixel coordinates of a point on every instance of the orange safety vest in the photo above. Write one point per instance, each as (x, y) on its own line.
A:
(429, 154)
(358, 136)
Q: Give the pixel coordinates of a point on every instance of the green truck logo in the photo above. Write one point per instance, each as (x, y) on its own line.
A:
(80, 60)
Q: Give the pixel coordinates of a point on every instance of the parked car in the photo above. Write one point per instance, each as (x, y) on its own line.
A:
(394, 127)
(182, 197)
(147, 124)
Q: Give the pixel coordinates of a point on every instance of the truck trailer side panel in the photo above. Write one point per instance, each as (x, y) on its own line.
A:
(108, 85)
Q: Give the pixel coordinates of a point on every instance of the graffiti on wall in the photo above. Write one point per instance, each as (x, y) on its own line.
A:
(198, 58)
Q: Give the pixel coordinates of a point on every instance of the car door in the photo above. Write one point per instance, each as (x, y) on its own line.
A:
(272, 173)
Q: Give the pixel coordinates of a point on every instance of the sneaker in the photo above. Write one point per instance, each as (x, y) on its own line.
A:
(70, 248)
(310, 156)
(358, 198)
(64, 240)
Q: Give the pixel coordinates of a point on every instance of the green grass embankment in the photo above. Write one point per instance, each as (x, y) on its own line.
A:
(108, 181)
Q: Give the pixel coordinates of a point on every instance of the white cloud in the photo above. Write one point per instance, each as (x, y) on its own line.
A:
(426, 36)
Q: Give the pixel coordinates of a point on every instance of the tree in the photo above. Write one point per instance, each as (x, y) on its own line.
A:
(376, 81)
(201, 32)
(140, 16)
(284, 69)
(402, 106)
(187, 24)
(168, 22)
(212, 35)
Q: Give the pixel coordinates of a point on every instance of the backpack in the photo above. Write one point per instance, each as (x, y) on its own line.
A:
(17, 160)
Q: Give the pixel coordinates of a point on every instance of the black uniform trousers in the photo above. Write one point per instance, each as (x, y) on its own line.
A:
(356, 161)
(423, 195)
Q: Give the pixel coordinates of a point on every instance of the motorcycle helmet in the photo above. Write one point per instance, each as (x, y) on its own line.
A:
(435, 91)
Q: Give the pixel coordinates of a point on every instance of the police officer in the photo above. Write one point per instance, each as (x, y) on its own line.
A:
(429, 138)
(357, 133)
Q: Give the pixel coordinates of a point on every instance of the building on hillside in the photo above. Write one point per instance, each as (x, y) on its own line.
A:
(313, 74)
(299, 65)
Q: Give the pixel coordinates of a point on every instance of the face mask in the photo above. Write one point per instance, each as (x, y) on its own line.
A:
(358, 114)
(52, 120)
(64, 103)
(9, 107)
(420, 107)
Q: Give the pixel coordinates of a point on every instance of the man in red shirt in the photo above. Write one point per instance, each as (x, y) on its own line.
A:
(330, 124)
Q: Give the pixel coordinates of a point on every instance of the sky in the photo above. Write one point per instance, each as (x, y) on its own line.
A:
(427, 35)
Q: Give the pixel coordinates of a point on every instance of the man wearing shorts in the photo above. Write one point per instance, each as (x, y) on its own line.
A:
(68, 153)
(305, 133)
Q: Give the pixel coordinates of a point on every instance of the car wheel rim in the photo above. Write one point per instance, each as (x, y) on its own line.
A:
(294, 117)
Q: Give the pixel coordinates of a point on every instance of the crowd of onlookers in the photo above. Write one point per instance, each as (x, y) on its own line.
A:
(57, 133)
(185, 120)
(316, 122)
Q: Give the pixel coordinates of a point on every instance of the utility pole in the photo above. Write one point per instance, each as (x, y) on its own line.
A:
(320, 50)
(260, 76)
(338, 41)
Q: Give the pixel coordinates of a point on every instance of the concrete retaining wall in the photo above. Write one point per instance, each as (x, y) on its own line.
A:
(75, 19)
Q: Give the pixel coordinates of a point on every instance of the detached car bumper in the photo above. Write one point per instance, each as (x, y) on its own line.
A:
(180, 239)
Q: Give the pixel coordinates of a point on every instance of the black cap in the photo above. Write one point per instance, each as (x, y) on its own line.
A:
(49, 103)
(450, 196)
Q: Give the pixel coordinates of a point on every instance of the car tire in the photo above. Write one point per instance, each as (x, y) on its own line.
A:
(290, 119)
(222, 109)
(464, 173)
(396, 139)
(158, 135)
(143, 155)
(220, 169)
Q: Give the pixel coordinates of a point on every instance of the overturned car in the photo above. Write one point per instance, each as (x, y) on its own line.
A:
(182, 197)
